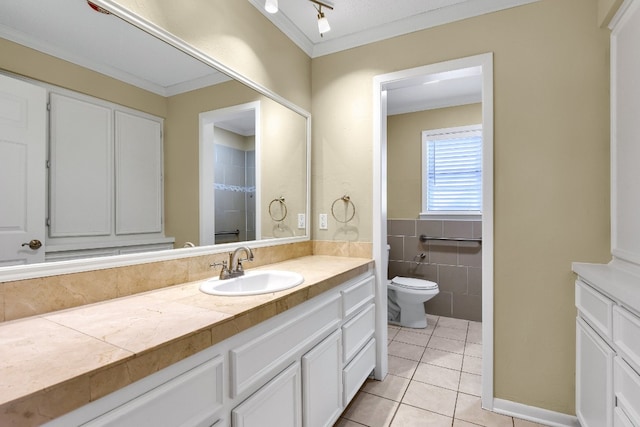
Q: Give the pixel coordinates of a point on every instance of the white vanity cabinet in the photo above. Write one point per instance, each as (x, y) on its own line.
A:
(607, 358)
(105, 178)
(300, 368)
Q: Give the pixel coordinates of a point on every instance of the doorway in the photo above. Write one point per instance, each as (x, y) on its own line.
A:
(408, 78)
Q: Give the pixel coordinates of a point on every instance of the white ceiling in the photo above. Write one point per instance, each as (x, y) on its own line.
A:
(358, 22)
(71, 30)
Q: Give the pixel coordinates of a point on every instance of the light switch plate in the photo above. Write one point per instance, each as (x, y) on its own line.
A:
(323, 222)
(301, 221)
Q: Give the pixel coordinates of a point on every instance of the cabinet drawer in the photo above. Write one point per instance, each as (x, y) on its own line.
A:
(626, 336)
(357, 332)
(253, 362)
(626, 388)
(357, 296)
(595, 308)
(192, 398)
(358, 370)
(620, 419)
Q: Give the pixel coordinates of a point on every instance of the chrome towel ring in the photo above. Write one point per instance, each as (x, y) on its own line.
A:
(347, 202)
(283, 208)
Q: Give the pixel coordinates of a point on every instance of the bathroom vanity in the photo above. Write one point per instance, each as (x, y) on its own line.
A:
(290, 358)
(608, 295)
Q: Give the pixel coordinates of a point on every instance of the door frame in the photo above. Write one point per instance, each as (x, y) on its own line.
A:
(485, 61)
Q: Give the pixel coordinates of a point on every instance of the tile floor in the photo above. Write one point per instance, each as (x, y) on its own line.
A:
(434, 380)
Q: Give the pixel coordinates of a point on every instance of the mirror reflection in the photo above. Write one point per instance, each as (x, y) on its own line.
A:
(159, 193)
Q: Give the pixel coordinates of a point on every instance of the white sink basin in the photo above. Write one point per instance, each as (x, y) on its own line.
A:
(253, 283)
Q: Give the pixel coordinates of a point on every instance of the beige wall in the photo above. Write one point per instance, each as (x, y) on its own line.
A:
(237, 35)
(404, 153)
(551, 173)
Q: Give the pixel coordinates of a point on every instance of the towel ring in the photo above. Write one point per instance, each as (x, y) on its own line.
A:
(347, 200)
(284, 208)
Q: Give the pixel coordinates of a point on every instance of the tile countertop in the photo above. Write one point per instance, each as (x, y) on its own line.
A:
(57, 362)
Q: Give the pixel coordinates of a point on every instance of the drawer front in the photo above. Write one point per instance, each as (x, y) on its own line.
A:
(192, 398)
(357, 296)
(620, 419)
(357, 332)
(256, 360)
(626, 336)
(595, 308)
(356, 372)
(626, 387)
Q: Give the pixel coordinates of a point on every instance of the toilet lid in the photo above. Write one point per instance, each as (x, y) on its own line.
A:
(411, 283)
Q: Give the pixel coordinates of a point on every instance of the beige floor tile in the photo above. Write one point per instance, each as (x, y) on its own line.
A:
(408, 351)
(438, 376)
(475, 326)
(517, 422)
(468, 408)
(474, 336)
(460, 423)
(450, 333)
(408, 416)
(343, 422)
(392, 387)
(432, 320)
(370, 410)
(428, 330)
(445, 359)
(392, 331)
(471, 384)
(473, 350)
(472, 365)
(402, 367)
(412, 338)
(445, 344)
(431, 398)
(450, 322)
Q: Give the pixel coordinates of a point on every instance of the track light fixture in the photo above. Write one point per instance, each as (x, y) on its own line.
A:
(271, 6)
(323, 23)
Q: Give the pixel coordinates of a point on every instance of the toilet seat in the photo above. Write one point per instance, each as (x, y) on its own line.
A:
(412, 283)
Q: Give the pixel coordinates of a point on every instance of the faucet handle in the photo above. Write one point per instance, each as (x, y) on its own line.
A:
(218, 264)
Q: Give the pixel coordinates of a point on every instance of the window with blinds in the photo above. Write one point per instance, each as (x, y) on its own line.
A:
(452, 171)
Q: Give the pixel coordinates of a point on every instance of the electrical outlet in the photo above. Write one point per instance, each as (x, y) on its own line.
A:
(301, 221)
(323, 222)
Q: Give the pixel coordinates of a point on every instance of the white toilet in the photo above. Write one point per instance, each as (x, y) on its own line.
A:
(406, 298)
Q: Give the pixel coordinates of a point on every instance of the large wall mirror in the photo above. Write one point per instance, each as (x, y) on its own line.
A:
(139, 82)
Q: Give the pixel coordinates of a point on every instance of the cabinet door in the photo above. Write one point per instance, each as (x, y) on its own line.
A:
(81, 177)
(138, 174)
(322, 383)
(276, 404)
(594, 378)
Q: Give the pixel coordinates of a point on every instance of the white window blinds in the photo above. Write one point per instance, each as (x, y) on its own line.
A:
(452, 170)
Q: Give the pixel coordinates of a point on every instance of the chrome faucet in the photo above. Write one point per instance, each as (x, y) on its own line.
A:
(235, 262)
(233, 268)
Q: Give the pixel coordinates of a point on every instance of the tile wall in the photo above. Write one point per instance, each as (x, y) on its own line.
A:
(455, 266)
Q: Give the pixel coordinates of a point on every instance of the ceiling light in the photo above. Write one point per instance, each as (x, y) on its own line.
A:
(323, 23)
(271, 6)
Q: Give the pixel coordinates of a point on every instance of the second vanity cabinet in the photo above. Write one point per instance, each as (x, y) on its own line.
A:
(299, 368)
(607, 359)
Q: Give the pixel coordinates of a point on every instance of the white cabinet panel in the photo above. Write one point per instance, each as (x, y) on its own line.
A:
(81, 177)
(356, 372)
(253, 361)
(191, 399)
(357, 296)
(626, 387)
(594, 378)
(626, 336)
(357, 332)
(595, 308)
(278, 403)
(138, 142)
(322, 383)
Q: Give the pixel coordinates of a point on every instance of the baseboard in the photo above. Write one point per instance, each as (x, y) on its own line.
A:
(534, 414)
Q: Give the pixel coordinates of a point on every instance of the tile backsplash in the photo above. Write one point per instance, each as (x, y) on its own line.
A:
(455, 266)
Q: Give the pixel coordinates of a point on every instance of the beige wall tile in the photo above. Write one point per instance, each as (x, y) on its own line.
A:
(326, 247)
